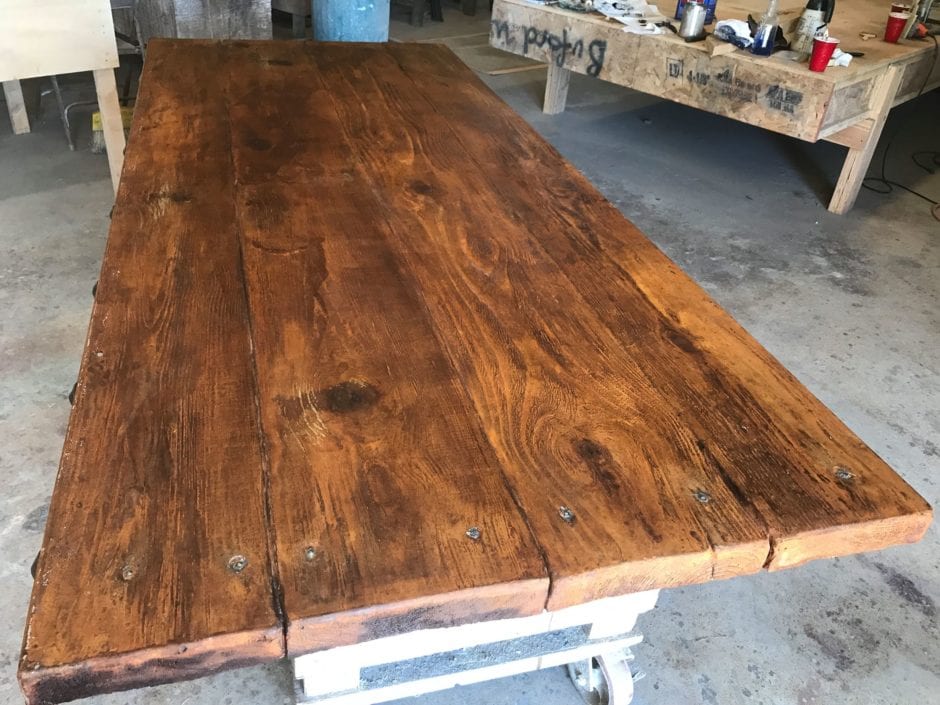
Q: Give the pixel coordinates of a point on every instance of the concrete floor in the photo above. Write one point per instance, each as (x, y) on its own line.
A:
(850, 304)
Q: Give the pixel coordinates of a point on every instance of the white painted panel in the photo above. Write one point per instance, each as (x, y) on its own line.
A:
(45, 37)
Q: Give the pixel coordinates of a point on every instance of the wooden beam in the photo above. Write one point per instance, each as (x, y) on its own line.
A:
(854, 136)
(859, 157)
(16, 106)
(556, 89)
(111, 122)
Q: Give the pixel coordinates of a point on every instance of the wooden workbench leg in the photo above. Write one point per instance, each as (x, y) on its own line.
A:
(856, 162)
(417, 12)
(16, 105)
(111, 123)
(299, 25)
(556, 89)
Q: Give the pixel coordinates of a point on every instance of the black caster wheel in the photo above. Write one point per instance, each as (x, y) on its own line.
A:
(72, 394)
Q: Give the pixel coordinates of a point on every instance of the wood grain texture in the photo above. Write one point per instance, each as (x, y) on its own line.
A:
(343, 331)
(160, 483)
(759, 433)
(379, 465)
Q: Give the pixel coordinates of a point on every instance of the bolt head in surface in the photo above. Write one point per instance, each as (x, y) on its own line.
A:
(237, 564)
(474, 533)
(310, 553)
(844, 474)
(127, 573)
(702, 496)
(566, 514)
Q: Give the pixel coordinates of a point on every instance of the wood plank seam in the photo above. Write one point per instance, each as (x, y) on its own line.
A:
(277, 589)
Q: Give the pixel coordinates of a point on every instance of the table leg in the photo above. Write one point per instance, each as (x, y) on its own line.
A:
(858, 158)
(299, 25)
(556, 89)
(111, 123)
(16, 105)
(417, 12)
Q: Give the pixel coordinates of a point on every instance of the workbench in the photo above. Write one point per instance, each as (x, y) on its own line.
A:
(371, 368)
(847, 106)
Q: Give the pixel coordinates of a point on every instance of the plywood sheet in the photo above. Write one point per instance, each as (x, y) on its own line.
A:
(46, 37)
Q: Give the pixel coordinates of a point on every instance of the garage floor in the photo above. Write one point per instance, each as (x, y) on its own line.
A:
(850, 304)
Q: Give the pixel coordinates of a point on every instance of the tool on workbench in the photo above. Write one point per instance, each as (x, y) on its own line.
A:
(816, 15)
(766, 33)
(693, 20)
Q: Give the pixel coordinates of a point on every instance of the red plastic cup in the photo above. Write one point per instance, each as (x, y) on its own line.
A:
(896, 22)
(822, 52)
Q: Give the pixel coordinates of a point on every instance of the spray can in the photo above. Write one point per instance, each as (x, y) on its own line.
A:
(693, 19)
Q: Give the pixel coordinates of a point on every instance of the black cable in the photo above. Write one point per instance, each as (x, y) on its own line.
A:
(887, 185)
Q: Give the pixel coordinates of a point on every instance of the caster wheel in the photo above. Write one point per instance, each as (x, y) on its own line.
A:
(94, 290)
(603, 680)
(32, 568)
(72, 394)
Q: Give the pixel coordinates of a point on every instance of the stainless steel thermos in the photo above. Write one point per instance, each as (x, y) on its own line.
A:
(693, 19)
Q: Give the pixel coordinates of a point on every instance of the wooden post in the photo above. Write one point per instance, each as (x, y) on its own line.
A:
(111, 122)
(16, 105)
(299, 25)
(417, 12)
(858, 159)
(556, 89)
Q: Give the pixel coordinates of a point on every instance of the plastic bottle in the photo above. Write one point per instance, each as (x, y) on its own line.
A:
(766, 31)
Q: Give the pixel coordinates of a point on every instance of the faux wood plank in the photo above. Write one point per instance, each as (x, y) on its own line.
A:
(379, 464)
(160, 488)
(623, 391)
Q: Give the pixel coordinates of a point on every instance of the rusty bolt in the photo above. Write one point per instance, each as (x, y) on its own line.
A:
(237, 563)
(310, 553)
(474, 533)
(127, 573)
